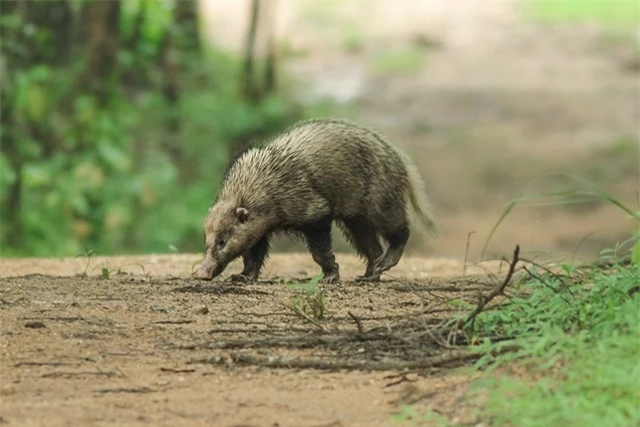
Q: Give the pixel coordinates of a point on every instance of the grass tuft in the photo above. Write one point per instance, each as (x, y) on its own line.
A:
(585, 192)
(310, 305)
(577, 341)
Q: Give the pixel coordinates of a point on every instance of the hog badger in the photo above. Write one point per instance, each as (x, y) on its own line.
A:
(314, 173)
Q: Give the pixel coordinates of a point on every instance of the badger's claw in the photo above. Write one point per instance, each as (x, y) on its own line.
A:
(331, 278)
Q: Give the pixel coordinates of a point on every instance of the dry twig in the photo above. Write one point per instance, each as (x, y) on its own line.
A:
(336, 364)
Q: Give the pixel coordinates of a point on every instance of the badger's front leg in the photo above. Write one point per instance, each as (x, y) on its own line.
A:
(318, 237)
(253, 261)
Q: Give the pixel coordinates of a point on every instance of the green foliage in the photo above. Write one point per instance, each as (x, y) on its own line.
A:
(615, 15)
(556, 305)
(583, 333)
(311, 304)
(99, 174)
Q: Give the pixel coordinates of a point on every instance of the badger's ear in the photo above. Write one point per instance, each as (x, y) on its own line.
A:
(242, 214)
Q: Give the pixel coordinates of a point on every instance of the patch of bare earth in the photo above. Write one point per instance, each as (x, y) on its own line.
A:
(155, 347)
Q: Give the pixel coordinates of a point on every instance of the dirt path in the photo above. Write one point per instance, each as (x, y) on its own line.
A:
(158, 348)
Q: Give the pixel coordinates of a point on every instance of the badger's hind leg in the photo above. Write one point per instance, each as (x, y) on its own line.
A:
(397, 240)
(366, 242)
(318, 236)
(394, 228)
(253, 261)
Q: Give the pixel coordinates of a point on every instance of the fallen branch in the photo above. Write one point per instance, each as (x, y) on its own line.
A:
(338, 364)
(17, 365)
(174, 322)
(358, 323)
(126, 390)
(483, 301)
(177, 370)
(58, 374)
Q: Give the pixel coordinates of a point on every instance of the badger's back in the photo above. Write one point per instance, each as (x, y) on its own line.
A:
(349, 165)
(320, 166)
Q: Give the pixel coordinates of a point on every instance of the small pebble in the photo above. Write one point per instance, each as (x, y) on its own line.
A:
(202, 309)
(34, 324)
(7, 391)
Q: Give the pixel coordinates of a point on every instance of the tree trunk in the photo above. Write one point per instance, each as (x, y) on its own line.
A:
(98, 37)
(270, 60)
(132, 77)
(181, 40)
(12, 207)
(171, 92)
(186, 20)
(250, 90)
(260, 26)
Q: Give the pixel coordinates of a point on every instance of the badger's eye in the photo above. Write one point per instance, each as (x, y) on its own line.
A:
(221, 241)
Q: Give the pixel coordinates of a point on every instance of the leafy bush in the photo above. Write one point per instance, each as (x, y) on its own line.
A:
(126, 169)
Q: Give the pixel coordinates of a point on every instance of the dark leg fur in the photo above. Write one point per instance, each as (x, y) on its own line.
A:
(253, 261)
(366, 242)
(318, 238)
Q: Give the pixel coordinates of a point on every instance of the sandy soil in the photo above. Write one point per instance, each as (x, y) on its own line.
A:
(147, 345)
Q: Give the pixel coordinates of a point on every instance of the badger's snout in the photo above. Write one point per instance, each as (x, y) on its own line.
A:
(204, 273)
(209, 268)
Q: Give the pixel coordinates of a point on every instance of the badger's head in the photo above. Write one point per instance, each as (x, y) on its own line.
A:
(227, 235)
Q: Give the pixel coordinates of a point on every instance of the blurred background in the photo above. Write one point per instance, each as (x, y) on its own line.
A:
(119, 117)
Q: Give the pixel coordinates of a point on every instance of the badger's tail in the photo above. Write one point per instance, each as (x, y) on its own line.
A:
(418, 199)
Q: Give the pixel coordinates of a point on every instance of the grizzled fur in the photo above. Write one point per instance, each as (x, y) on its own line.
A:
(316, 172)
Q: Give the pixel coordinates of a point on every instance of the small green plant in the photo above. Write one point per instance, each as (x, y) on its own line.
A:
(311, 304)
(88, 254)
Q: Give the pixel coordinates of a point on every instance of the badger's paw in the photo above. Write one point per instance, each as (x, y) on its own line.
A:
(241, 278)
